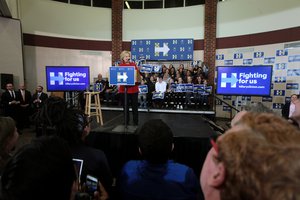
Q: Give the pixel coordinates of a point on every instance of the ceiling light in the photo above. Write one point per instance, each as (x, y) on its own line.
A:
(127, 4)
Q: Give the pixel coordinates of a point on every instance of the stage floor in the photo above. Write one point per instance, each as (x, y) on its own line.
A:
(182, 124)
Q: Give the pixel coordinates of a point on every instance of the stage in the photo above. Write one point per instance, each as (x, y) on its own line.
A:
(191, 138)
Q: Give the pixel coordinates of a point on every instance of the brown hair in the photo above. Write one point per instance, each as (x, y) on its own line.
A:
(7, 130)
(257, 169)
(275, 129)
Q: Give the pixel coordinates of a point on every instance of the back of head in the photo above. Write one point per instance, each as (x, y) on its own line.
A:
(256, 168)
(275, 129)
(56, 118)
(7, 129)
(155, 141)
(42, 169)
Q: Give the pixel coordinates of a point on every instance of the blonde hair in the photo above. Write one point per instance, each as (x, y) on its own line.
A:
(123, 54)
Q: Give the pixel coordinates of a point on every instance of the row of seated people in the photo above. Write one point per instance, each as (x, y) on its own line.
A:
(233, 169)
(156, 92)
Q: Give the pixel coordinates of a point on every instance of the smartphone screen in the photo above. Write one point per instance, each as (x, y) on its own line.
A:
(78, 167)
(91, 184)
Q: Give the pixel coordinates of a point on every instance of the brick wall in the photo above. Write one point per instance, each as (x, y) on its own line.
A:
(117, 29)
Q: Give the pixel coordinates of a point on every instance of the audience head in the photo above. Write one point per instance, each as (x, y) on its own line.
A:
(99, 76)
(8, 138)
(253, 160)
(56, 118)
(155, 141)
(254, 107)
(39, 88)
(294, 98)
(42, 169)
(9, 86)
(296, 113)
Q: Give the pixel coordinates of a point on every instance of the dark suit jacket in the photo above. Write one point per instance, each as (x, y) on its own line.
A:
(10, 109)
(27, 97)
(285, 111)
(43, 97)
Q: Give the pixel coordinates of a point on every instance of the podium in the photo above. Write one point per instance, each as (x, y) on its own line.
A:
(97, 105)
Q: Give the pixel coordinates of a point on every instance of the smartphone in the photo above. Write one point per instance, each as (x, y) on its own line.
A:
(91, 184)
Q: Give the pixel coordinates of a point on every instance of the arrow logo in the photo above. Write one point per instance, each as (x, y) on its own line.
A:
(122, 76)
(165, 49)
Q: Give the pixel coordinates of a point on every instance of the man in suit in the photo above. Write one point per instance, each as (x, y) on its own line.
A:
(39, 98)
(25, 109)
(10, 100)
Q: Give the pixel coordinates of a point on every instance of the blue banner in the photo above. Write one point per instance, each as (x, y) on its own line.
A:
(122, 75)
(143, 89)
(163, 49)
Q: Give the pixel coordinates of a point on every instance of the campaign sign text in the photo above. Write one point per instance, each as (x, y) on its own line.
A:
(244, 80)
(122, 75)
(67, 78)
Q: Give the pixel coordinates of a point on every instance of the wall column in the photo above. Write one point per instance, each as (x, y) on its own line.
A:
(117, 29)
(210, 29)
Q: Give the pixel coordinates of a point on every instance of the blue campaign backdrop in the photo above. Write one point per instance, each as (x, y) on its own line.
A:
(163, 49)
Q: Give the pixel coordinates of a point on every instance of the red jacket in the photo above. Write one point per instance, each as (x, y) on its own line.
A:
(130, 89)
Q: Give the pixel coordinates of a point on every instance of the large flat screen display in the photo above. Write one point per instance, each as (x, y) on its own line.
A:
(244, 80)
(67, 78)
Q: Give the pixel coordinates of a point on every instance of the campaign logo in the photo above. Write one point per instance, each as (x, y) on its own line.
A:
(59, 78)
(294, 58)
(281, 52)
(280, 66)
(277, 106)
(279, 92)
(247, 61)
(238, 56)
(259, 54)
(232, 80)
(267, 99)
(227, 97)
(269, 60)
(292, 86)
(246, 98)
(226, 108)
(280, 79)
(228, 62)
(220, 57)
(293, 72)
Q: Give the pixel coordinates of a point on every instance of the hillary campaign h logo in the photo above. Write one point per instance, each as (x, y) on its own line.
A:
(59, 78)
(232, 80)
